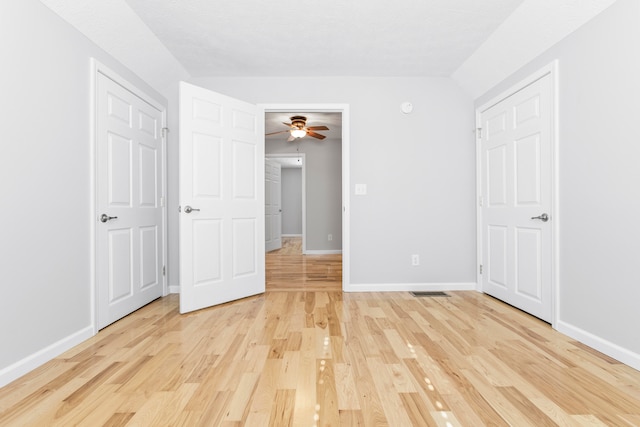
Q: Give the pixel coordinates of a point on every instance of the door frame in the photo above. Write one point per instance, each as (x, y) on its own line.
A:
(303, 190)
(99, 68)
(550, 69)
(330, 108)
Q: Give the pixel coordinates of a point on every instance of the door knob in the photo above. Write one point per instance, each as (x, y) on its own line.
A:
(105, 218)
(544, 217)
(189, 209)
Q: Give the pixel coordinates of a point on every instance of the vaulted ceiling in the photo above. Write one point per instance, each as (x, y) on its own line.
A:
(477, 42)
(314, 37)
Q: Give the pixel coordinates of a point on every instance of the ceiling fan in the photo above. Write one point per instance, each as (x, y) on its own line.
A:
(298, 128)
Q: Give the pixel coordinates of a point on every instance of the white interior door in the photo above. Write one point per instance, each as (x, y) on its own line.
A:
(516, 160)
(221, 198)
(273, 205)
(129, 189)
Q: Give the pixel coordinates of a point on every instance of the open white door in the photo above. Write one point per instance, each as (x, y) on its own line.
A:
(221, 198)
(517, 187)
(273, 204)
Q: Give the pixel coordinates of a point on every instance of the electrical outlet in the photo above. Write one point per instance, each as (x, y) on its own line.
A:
(415, 259)
(330, 237)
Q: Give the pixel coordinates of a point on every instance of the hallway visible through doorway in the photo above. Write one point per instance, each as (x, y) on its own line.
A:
(287, 269)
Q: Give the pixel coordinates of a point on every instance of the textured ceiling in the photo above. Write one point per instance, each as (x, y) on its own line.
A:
(168, 40)
(322, 38)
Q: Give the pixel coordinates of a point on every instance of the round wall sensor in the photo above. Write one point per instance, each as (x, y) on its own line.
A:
(406, 107)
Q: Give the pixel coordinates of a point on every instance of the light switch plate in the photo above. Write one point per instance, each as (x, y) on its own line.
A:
(361, 189)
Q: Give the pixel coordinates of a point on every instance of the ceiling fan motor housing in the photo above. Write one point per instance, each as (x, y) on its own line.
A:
(299, 121)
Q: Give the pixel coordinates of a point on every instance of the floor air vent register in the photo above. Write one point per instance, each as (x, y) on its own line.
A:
(429, 294)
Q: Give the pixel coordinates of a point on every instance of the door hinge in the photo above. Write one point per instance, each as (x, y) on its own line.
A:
(179, 208)
(479, 133)
(164, 270)
(480, 268)
(480, 201)
(165, 131)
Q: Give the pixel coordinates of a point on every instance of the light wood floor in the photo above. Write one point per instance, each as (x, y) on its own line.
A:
(324, 358)
(288, 269)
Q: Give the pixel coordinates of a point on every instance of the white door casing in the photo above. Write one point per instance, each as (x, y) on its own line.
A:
(221, 179)
(516, 178)
(273, 204)
(129, 214)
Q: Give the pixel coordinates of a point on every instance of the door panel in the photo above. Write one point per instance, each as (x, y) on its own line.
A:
(221, 152)
(129, 246)
(497, 256)
(528, 261)
(516, 184)
(148, 250)
(527, 185)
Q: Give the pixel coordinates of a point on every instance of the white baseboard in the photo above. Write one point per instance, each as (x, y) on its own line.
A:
(610, 349)
(291, 235)
(323, 252)
(408, 287)
(174, 289)
(31, 362)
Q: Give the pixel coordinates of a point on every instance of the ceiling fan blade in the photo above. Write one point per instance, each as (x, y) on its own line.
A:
(287, 124)
(315, 135)
(317, 128)
(275, 133)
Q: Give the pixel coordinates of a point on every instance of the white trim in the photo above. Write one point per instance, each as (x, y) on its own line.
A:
(174, 289)
(323, 252)
(555, 209)
(610, 349)
(346, 169)
(93, 195)
(304, 190)
(550, 69)
(40, 357)
(98, 68)
(408, 287)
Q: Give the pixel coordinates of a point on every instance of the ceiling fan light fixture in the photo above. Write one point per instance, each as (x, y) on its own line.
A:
(298, 133)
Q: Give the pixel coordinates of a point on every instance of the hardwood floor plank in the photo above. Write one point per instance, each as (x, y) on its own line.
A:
(392, 406)
(305, 404)
(326, 394)
(240, 402)
(419, 414)
(346, 389)
(119, 419)
(281, 410)
(351, 418)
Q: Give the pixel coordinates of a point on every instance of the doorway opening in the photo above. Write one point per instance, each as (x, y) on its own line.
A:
(322, 237)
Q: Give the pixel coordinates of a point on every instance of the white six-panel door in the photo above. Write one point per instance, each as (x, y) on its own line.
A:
(221, 199)
(129, 191)
(516, 195)
(273, 204)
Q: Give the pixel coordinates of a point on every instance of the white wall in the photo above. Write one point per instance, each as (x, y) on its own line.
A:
(599, 161)
(419, 169)
(45, 188)
(292, 201)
